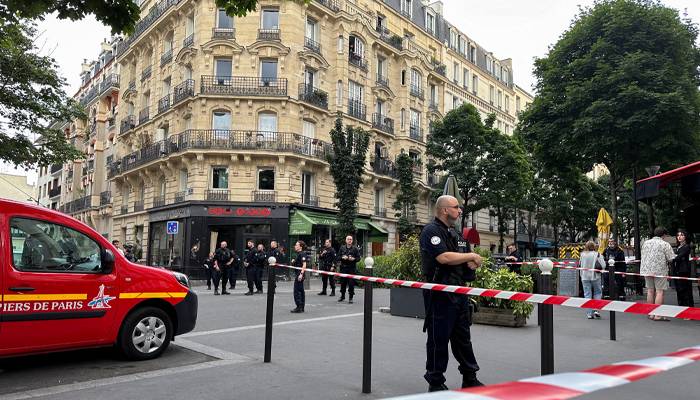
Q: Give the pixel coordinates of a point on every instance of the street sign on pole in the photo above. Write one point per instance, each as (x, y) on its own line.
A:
(172, 227)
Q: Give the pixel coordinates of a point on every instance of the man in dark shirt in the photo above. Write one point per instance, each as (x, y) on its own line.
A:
(223, 261)
(249, 265)
(327, 263)
(274, 252)
(348, 255)
(447, 260)
(513, 257)
(259, 261)
(614, 252)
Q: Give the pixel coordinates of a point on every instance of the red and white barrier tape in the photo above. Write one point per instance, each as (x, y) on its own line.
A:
(568, 385)
(568, 265)
(576, 262)
(576, 302)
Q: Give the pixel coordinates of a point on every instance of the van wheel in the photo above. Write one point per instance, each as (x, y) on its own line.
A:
(145, 334)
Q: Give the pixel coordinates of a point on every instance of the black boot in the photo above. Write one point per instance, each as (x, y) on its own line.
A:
(332, 293)
(216, 292)
(342, 297)
(297, 310)
(249, 293)
(223, 291)
(350, 300)
(322, 293)
(469, 380)
(437, 388)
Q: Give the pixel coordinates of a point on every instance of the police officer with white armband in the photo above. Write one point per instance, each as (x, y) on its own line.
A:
(447, 259)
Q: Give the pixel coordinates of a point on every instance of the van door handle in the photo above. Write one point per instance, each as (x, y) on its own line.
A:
(22, 289)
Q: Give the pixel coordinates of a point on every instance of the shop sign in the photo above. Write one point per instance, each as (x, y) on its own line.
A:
(240, 211)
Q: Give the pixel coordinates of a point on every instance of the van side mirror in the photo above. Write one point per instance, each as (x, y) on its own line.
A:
(107, 261)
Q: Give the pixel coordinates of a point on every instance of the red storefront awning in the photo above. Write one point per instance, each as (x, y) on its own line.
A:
(649, 187)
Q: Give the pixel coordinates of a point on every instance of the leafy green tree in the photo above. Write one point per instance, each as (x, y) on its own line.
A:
(407, 198)
(619, 88)
(347, 164)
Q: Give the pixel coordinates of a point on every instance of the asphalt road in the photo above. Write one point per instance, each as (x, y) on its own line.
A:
(318, 355)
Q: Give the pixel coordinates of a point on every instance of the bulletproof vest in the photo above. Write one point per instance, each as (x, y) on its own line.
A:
(457, 274)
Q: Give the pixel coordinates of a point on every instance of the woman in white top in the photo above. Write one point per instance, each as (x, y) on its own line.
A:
(591, 279)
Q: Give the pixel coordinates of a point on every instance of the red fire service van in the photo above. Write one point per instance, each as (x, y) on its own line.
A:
(64, 286)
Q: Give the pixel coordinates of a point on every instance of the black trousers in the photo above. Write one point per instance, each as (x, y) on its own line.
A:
(258, 277)
(250, 274)
(327, 278)
(225, 277)
(347, 283)
(216, 277)
(684, 291)
(232, 276)
(207, 273)
(447, 322)
(299, 294)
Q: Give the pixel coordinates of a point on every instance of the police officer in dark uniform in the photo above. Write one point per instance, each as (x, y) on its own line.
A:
(447, 259)
(348, 255)
(223, 261)
(249, 265)
(327, 263)
(259, 261)
(300, 261)
(235, 268)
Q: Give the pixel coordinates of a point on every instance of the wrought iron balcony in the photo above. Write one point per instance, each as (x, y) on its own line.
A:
(263, 196)
(333, 5)
(143, 156)
(243, 86)
(223, 33)
(390, 38)
(384, 166)
(105, 198)
(441, 69)
(380, 212)
(416, 91)
(55, 191)
(166, 57)
(383, 123)
(309, 200)
(159, 201)
(416, 133)
(138, 206)
(144, 23)
(144, 115)
(382, 80)
(127, 124)
(164, 104)
(181, 196)
(268, 34)
(312, 45)
(188, 41)
(217, 194)
(132, 85)
(111, 81)
(112, 169)
(183, 91)
(146, 73)
(358, 61)
(312, 95)
(77, 205)
(357, 109)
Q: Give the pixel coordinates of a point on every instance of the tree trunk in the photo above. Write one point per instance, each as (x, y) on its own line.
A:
(651, 218)
(613, 203)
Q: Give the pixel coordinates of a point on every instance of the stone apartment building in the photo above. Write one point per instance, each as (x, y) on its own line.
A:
(223, 123)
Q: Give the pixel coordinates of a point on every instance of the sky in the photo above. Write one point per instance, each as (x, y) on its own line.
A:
(517, 29)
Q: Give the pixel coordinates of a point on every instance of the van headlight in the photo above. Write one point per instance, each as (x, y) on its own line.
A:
(182, 278)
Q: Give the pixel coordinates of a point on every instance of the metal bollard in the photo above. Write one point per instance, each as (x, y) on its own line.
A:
(612, 291)
(367, 335)
(546, 317)
(270, 307)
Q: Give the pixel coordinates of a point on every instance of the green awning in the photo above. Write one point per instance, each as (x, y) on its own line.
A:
(302, 222)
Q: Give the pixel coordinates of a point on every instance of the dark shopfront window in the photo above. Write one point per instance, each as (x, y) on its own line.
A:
(166, 250)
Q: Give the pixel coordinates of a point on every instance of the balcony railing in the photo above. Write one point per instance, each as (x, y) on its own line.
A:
(268, 34)
(127, 124)
(132, 85)
(105, 198)
(217, 194)
(312, 45)
(384, 166)
(55, 191)
(123, 210)
(383, 123)
(441, 69)
(143, 156)
(415, 133)
(181, 196)
(263, 196)
(357, 61)
(138, 206)
(382, 80)
(380, 212)
(113, 169)
(243, 86)
(166, 57)
(111, 81)
(144, 23)
(417, 91)
(159, 201)
(144, 115)
(333, 5)
(433, 106)
(80, 204)
(390, 38)
(312, 95)
(357, 109)
(183, 91)
(188, 41)
(164, 104)
(223, 33)
(146, 73)
(309, 200)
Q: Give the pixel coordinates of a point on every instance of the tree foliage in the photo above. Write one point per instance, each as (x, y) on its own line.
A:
(407, 197)
(619, 88)
(347, 164)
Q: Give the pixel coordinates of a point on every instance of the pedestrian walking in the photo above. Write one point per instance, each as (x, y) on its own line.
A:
(208, 266)
(681, 268)
(348, 255)
(300, 261)
(223, 258)
(591, 260)
(447, 259)
(656, 254)
(327, 263)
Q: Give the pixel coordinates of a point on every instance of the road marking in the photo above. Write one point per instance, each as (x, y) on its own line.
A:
(250, 327)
